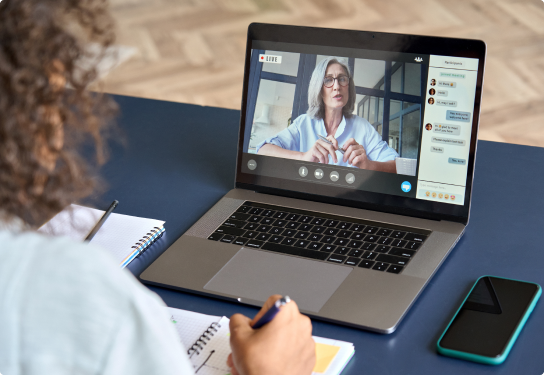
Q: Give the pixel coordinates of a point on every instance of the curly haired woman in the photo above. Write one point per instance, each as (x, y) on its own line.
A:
(61, 310)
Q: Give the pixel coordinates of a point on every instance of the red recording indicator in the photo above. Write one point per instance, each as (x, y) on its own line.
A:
(270, 59)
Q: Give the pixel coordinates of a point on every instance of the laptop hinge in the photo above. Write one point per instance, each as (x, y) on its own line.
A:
(347, 203)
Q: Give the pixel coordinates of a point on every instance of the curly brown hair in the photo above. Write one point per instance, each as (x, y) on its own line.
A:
(44, 49)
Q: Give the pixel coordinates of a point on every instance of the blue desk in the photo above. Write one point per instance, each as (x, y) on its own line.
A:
(180, 160)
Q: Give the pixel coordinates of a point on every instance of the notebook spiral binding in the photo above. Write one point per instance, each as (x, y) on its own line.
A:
(148, 240)
(199, 344)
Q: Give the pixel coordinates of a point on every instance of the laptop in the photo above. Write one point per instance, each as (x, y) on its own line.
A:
(354, 175)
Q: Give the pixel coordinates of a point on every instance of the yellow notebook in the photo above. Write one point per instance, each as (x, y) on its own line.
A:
(206, 338)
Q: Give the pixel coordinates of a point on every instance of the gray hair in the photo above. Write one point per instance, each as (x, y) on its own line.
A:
(316, 107)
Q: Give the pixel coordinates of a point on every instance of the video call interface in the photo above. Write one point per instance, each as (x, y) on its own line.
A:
(385, 122)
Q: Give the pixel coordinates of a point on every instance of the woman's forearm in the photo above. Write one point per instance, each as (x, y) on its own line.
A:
(273, 150)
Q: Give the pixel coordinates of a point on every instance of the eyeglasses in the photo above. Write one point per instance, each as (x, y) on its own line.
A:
(329, 81)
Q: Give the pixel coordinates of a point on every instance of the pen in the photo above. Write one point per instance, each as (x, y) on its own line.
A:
(329, 142)
(102, 220)
(271, 313)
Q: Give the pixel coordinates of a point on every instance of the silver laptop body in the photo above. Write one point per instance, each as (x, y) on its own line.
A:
(427, 200)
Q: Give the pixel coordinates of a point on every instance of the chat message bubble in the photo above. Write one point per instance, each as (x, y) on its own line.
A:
(437, 149)
(458, 116)
(447, 129)
(446, 103)
(447, 84)
(441, 92)
(452, 75)
(448, 141)
(457, 161)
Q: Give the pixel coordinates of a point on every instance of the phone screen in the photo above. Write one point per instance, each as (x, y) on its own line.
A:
(490, 315)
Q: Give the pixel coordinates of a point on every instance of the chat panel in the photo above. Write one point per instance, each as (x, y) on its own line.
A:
(447, 127)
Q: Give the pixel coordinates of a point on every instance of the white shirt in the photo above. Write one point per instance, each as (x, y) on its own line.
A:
(302, 134)
(66, 308)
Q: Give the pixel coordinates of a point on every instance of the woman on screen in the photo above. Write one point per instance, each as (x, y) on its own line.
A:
(331, 99)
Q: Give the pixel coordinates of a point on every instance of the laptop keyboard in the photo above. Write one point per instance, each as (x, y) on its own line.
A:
(329, 238)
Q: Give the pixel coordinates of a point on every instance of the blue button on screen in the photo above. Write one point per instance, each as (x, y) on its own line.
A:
(406, 186)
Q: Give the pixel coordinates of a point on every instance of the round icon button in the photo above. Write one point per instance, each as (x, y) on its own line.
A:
(406, 186)
(334, 176)
(303, 171)
(350, 178)
(318, 174)
(252, 164)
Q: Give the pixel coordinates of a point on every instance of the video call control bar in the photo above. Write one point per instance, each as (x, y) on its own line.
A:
(336, 178)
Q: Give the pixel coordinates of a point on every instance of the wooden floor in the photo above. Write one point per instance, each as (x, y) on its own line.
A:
(192, 51)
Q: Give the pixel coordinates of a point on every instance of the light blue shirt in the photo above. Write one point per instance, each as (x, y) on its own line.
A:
(66, 308)
(302, 134)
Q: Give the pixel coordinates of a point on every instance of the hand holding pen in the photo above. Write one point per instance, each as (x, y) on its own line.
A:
(321, 149)
(284, 344)
(354, 153)
(270, 314)
(334, 144)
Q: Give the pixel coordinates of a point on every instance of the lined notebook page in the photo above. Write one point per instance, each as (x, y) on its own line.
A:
(190, 325)
(118, 234)
(332, 355)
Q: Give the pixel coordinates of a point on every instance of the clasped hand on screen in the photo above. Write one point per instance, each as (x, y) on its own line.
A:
(354, 153)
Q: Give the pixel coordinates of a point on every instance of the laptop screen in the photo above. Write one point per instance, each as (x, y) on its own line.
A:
(360, 124)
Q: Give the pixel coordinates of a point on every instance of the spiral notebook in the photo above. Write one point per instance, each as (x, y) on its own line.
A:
(206, 338)
(124, 237)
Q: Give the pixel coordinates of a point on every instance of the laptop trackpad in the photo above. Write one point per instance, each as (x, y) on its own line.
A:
(256, 275)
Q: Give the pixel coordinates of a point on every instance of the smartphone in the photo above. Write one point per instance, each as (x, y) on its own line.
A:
(489, 320)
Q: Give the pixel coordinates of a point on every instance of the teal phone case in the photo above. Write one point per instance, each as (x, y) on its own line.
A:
(483, 359)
